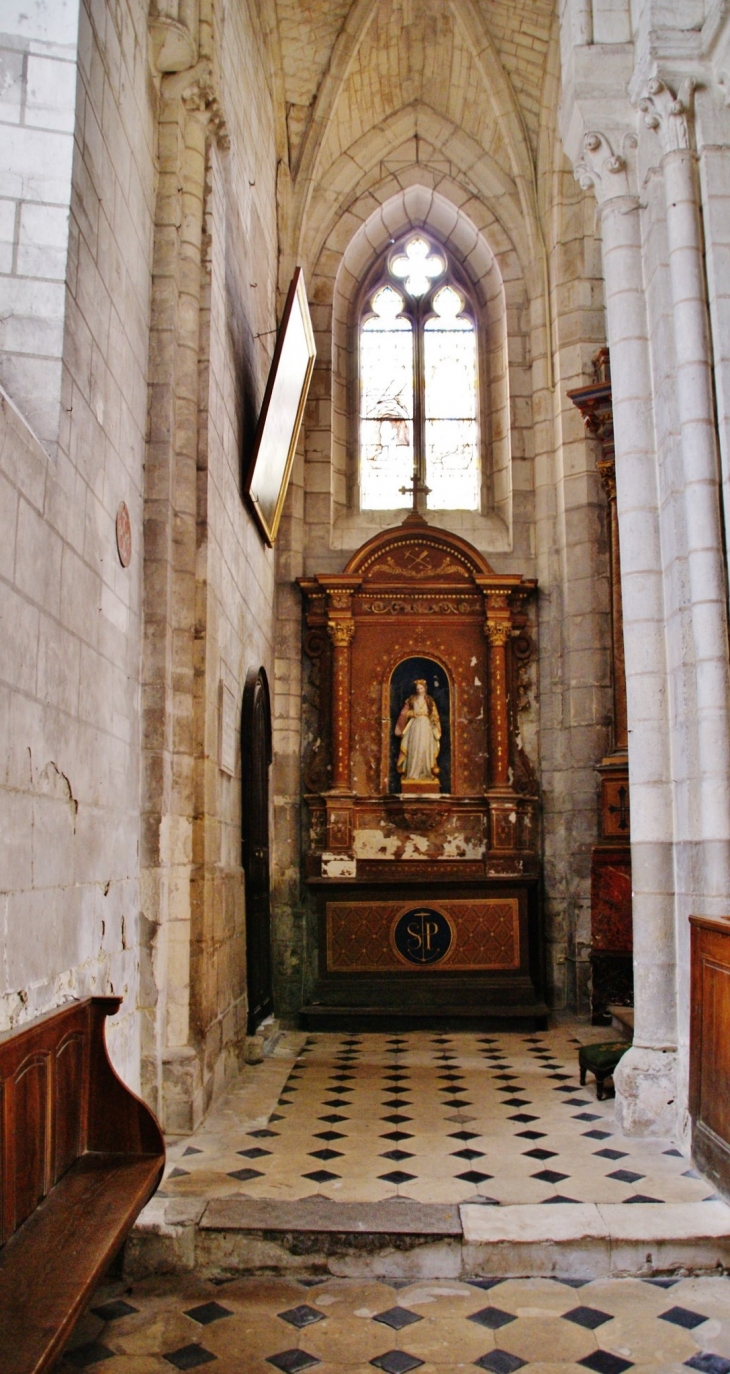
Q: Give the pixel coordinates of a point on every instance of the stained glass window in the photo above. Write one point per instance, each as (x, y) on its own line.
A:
(418, 374)
(450, 394)
(386, 402)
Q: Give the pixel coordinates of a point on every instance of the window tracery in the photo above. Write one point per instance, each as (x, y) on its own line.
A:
(418, 382)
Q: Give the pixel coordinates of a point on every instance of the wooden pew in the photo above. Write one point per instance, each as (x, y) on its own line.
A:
(80, 1156)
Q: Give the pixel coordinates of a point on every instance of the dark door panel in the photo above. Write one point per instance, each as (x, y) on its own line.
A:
(255, 763)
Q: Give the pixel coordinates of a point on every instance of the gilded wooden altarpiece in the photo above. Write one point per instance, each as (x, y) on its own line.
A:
(457, 847)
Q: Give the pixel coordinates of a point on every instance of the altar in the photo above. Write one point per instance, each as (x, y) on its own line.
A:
(422, 853)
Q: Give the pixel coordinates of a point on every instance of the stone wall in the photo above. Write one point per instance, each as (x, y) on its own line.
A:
(37, 118)
(70, 612)
(121, 830)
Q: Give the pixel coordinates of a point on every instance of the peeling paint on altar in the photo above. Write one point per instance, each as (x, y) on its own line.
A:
(442, 843)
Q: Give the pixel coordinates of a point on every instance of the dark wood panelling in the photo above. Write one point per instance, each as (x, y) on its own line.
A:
(710, 1048)
(31, 1130)
(68, 1103)
(80, 1155)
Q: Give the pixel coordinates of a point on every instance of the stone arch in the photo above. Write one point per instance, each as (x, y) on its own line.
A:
(486, 254)
(415, 144)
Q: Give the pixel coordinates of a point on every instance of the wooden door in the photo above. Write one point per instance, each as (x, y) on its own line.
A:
(255, 763)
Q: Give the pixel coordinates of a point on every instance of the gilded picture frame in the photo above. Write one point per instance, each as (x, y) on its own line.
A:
(277, 432)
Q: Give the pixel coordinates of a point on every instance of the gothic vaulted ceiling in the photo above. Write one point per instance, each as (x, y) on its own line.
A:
(391, 48)
(360, 79)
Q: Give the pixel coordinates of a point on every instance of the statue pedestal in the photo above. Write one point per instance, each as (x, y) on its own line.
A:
(420, 787)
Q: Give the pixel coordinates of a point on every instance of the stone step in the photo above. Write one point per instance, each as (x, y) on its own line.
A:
(400, 1238)
(622, 1021)
(514, 1016)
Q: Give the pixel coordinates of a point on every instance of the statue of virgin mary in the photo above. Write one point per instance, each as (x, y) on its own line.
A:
(419, 730)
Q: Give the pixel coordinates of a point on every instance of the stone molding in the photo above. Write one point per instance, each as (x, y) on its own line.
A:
(172, 47)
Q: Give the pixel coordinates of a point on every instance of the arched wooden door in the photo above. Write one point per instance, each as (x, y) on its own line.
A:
(255, 764)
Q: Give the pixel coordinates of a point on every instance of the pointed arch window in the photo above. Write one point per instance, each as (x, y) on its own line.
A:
(418, 378)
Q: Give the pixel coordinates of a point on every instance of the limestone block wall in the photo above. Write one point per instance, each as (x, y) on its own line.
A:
(71, 614)
(120, 813)
(38, 53)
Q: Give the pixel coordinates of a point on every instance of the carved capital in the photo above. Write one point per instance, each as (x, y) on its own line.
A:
(498, 632)
(201, 97)
(606, 172)
(341, 632)
(669, 115)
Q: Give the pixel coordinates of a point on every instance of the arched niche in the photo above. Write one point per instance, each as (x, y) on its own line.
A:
(485, 253)
(397, 689)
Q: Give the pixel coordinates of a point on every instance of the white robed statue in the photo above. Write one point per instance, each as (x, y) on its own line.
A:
(419, 731)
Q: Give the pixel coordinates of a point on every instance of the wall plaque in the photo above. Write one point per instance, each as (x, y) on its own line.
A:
(378, 937)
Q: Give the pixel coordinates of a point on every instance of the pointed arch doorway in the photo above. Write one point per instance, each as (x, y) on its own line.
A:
(255, 763)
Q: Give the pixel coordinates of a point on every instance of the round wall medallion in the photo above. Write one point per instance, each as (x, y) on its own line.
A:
(422, 935)
(124, 535)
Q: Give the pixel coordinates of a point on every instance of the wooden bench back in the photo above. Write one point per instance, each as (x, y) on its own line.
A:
(59, 1098)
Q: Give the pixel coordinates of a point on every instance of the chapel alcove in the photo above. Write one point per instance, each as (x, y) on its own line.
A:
(444, 865)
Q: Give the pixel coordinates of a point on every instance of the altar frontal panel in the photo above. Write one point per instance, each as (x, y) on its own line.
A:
(378, 937)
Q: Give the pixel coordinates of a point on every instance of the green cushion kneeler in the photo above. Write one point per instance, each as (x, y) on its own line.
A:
(601, 1060)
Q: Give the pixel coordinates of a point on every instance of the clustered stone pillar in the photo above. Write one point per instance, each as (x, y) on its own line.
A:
(700, 475)
(189, 115)
(646, 1079)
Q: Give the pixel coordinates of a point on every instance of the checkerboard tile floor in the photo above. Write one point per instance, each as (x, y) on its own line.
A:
(434, 1117)
(339, 1326)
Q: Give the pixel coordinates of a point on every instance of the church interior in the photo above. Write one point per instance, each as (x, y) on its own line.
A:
(365, 685)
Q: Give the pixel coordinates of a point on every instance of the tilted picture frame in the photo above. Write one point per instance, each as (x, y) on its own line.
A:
(277, 432)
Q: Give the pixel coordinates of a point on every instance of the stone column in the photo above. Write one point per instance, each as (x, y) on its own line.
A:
(171, 1061)
(646, 1082)
(341, 631)
(710, 804)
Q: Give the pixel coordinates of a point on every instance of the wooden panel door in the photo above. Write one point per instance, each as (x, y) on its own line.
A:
(255, 764)
(710, 1048)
